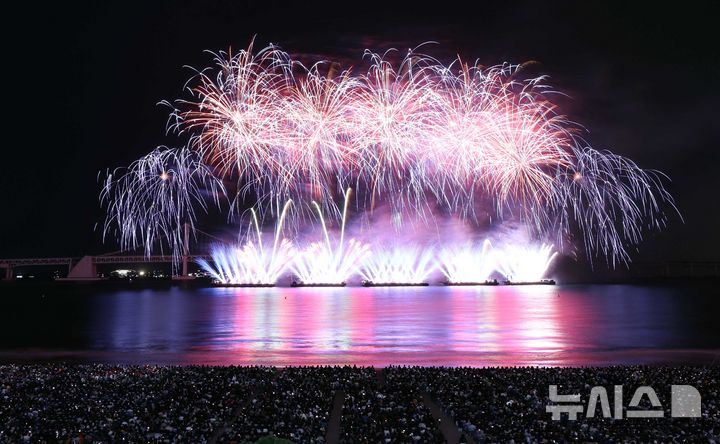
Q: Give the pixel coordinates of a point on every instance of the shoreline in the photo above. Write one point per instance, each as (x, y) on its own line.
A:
(651, 357)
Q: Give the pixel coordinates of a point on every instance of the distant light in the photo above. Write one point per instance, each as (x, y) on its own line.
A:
(142, 273)
(164, 176)
(122, 272)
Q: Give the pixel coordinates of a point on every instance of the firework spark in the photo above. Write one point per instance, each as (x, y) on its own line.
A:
(398, 264)
(467, 263)
(421, 137)
(522, 263)
(254, 263)
(149, 203)
(327, 262)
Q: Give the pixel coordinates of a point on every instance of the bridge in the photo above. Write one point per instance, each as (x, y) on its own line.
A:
(10, 264)
(85, 269)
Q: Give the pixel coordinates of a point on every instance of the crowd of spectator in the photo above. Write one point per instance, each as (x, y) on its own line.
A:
(381, 408)
(104, 403)
(61, 403)
(293, 403)
(509, 404)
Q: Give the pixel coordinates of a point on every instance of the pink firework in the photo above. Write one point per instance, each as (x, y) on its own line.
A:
(418, 136)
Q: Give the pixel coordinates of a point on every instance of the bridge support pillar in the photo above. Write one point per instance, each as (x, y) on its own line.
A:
(186, 251)
(185, 257)
(9, 273)
(84, 270)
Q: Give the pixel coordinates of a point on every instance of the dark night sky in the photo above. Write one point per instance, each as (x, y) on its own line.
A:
(83, 82)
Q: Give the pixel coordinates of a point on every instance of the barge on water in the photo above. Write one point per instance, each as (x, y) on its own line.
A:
(229, 285)
(488, 282)
(394, 284)
(298, 284)
(540, 282)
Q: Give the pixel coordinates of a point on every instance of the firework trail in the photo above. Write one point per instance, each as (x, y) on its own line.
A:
(418, 136)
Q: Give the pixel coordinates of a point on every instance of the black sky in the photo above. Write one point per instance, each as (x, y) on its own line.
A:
(82, 84)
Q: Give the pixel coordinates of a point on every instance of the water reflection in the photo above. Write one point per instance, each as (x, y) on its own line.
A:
(380, 326)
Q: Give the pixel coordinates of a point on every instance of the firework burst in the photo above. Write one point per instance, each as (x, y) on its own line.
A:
(417, 136)
(149, 202)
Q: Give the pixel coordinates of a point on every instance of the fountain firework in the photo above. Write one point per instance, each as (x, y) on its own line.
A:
(253, 264)
(399, 265)
(525, 264)
(468, 263)
(323, 263)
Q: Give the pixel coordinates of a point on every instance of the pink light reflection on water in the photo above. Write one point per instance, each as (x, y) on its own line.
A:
(545, 325)
(381, 326)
